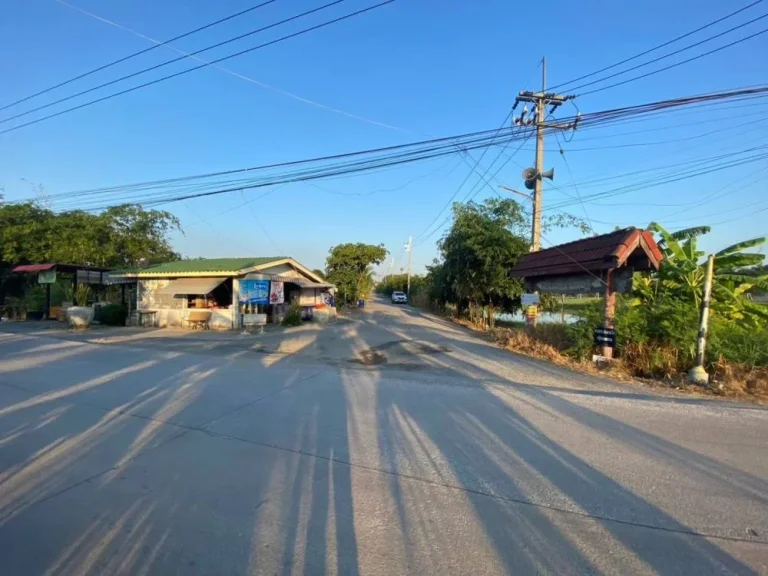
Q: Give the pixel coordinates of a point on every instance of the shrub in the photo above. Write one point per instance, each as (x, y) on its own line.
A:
(111, 315)
(736, 342)
(293, 315)
(79, 296)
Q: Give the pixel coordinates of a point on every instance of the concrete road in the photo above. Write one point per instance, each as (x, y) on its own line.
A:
(391, 443)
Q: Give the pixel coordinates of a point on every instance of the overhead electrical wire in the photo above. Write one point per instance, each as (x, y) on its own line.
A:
(676, 64)
(658, 47)
(660, 172)
(204, 65)
(238, 75)
(463, 182)
(669, 55)
(172, 61)
(180, 188)
(135, 54)
(605, 116)
(447, 141)
(576, 188)
(660, 182)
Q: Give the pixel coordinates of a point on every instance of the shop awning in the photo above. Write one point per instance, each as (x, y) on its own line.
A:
(192, 286)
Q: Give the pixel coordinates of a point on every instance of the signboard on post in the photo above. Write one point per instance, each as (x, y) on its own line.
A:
(46, 277)
(530, 300)
(605, 337)
(276, 292)
(254, 292)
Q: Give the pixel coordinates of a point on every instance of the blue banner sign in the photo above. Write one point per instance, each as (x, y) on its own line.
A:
(254, 291)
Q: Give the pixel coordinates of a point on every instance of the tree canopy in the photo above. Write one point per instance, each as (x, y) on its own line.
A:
(350, 268)
(483, 243)
(117, 237)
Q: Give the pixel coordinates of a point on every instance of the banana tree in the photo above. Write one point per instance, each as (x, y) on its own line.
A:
(681, 275)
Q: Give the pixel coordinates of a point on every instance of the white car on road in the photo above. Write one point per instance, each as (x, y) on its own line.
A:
(399, 298)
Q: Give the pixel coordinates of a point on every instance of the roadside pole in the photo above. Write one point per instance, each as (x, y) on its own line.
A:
(534, 176)
(698, 374)
(409, 247)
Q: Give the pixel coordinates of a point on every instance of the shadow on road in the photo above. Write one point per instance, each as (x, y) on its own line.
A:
(164, 461)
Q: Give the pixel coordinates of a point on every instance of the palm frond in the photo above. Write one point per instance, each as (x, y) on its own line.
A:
(741, 246)
(691, 232)
(739, 260)
(670, 243)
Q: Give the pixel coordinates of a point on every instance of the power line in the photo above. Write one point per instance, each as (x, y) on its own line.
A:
(578, 194)
(641, 54)
(665, 56)
(264, 229)
(241, 76)
(423, 149)
(463, 182)
(135, 54)
(675, 65)
(246, 51)
(167, 62)
(655, 182)
(485, 182)
(175, 189)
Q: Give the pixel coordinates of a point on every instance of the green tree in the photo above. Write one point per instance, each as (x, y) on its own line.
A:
(118, 237)
(350, 268)
(483, 243)
(318, 272)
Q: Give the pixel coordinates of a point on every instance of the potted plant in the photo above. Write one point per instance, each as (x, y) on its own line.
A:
(80, 315)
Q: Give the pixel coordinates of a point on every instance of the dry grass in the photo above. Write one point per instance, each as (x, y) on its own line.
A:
(650, 365)
(741, 379)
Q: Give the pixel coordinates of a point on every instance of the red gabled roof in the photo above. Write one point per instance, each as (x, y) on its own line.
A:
(34, 268)
(602, 252)
(60, 267)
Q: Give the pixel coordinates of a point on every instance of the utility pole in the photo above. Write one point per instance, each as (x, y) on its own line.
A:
(533, 176)
(409, 248)
(698, 374)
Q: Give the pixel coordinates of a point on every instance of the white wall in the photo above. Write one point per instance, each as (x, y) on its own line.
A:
(148, 300)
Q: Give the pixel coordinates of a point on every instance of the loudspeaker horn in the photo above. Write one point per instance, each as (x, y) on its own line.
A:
(549, 174)
(529, 174)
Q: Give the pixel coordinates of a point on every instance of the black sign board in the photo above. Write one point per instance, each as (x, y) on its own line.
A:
(605, 337)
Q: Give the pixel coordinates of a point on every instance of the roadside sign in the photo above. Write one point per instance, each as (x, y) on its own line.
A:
(605, 337)
(530, 300)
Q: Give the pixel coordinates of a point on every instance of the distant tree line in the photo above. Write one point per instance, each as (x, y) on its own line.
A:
(119, 237)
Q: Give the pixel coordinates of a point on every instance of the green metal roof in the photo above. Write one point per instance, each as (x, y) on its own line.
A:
(202, 266)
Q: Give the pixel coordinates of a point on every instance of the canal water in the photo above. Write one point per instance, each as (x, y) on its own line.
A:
(544, 317)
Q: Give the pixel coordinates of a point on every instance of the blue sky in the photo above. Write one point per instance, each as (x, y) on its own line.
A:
(423, 68)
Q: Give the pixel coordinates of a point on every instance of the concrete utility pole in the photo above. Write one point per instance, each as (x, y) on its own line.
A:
(409, 248)
(697, 374)
(533, 178)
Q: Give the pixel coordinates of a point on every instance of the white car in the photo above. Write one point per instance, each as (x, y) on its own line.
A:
(399, 298)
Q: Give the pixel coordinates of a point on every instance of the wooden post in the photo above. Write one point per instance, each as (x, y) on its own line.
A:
(47, 301)
(562, 309)
(609, 309)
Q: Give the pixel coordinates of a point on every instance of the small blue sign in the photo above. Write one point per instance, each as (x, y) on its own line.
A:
(254, 291)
